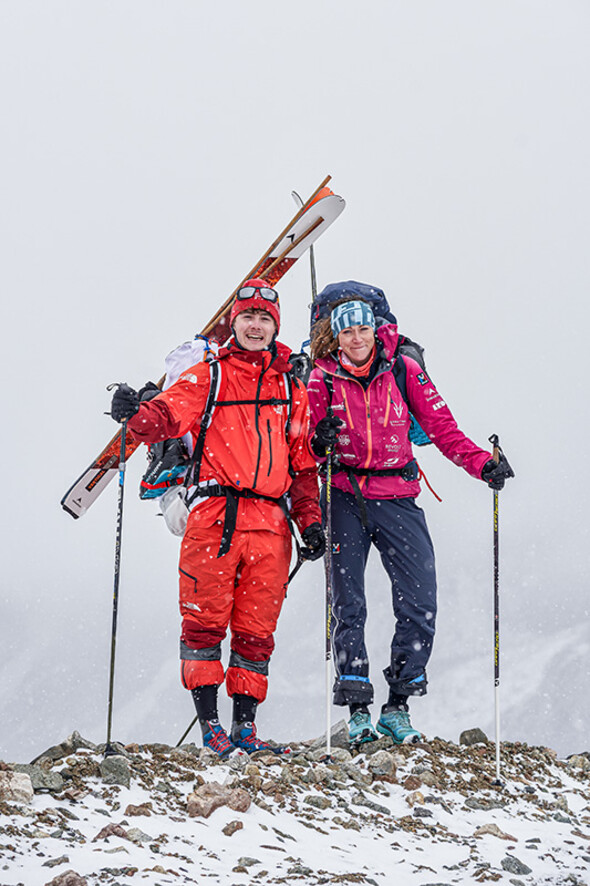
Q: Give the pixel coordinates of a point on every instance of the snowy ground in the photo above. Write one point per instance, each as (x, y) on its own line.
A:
(412, 816)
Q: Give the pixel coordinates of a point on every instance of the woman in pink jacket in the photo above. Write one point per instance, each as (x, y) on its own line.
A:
(361, 395)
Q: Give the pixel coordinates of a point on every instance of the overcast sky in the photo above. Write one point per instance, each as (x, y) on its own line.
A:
(148, 153)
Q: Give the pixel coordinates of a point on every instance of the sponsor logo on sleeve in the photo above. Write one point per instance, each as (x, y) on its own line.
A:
(439, 405)
(189, 376)
(422, 378)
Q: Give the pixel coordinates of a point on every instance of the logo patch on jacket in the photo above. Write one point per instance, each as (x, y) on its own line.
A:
(422, 378)
(189, 376)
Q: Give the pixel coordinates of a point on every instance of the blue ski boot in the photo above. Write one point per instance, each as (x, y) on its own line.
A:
(397, 725)
(216, 739)
(243, 736)
(360, 729)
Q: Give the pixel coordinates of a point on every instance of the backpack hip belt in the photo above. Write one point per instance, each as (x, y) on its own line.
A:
(409, 472)
(231, 495)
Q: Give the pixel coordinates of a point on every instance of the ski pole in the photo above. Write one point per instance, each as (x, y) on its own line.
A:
(109, 748)
(314, 285)
(328, 569)
(494, 440)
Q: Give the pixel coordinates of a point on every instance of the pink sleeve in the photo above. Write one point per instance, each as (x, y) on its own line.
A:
(437, 420)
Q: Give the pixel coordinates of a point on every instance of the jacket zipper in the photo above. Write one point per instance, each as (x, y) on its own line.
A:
(269, 447)
(257, 416)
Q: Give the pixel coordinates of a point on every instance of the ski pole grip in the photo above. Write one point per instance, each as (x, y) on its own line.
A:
(495, 441)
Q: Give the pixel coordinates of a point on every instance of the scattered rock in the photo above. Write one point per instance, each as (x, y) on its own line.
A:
(317, 800)
(16, 787)
(138, 836)
(359, 799)
(211, 796)
(338, 737)
(41, 779)
(415, 797)
(232, 826)
(142, 809)
(495, 831)
(484, 803)
(68, 878)
(247, 862)
(111, 830)
(412, 783)
(337, 755)
(515, 866)
(579, 761)
(69, 746)
(472, 736)
(115, 770)
(381, 763)
(54, 862)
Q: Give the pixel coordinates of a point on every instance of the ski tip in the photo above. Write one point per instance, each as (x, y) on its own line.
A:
(69, 511)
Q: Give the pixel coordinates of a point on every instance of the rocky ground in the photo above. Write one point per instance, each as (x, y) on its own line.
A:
(425, 815)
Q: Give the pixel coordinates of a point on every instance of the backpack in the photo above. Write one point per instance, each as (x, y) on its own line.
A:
(323, 303)
(321, 308)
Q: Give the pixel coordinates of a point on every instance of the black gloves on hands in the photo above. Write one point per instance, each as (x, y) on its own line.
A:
(326, 434)
(125, 403)
(315, 542)
(496, 474)
(148, 392)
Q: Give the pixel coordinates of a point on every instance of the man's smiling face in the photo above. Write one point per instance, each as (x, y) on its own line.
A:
(254, 330)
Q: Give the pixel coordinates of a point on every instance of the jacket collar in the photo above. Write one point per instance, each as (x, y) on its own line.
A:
(275, 357)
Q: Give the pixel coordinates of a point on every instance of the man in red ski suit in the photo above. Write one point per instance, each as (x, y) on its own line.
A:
(235, 553)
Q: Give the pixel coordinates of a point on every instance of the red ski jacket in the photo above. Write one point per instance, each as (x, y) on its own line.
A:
(377, 421)
(250, 444)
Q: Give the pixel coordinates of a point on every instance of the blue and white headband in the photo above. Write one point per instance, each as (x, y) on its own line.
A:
(351, 313)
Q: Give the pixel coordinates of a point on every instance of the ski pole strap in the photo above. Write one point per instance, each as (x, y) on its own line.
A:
(232, 495)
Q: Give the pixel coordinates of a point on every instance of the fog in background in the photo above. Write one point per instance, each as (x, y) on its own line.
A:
(148, 155)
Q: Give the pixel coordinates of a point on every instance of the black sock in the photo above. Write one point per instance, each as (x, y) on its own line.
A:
(244, 709)
(395, 702)
(205, 699)
(358, 707)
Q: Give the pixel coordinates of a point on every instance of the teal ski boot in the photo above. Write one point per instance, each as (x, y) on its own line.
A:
(360, 729)
(396, 724)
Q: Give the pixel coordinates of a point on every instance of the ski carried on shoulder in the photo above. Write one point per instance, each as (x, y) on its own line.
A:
(312, 219)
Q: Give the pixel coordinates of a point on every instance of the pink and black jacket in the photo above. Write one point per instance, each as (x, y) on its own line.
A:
(374, 436)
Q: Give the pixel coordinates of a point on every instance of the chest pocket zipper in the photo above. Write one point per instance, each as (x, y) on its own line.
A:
(269, 447)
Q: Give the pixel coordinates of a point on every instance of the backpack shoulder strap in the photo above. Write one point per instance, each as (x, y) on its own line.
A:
(288, 379)
(400, 371)
(192, 475)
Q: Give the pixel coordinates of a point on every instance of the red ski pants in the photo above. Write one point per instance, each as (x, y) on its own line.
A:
(244, 589)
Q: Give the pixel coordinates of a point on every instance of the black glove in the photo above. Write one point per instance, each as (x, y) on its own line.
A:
(148, 392)
(315, 542)
(300, 366)
(125, 403)
(496, 474)
(326, 434)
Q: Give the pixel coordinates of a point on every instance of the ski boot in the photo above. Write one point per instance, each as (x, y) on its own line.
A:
(360, 729)
(243, 736)
(397, 725)
(217, 740)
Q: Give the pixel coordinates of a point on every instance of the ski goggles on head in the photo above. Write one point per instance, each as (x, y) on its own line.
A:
(264, 292)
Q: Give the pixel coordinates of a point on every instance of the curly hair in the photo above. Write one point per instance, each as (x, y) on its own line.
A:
(323, 342)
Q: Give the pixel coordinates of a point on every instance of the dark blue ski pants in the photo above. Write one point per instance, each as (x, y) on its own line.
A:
(397, 528)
